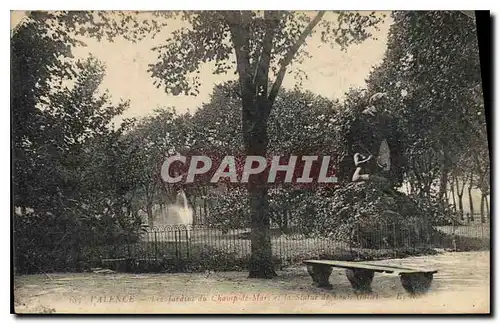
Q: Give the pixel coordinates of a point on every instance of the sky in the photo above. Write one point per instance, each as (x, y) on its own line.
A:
(330, 72)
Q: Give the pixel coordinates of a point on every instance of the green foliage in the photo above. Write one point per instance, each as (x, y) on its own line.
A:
(34, 56)
(263, 43)
(130, 25)
(230, 209)
(148, 143)
(431, 72)
(302, 123)
(217, 124)
(214, 35)
(52, 121)
(73, 174)
(368, 214)
(202, 258)
(78, 176)
(436, 210)
(48, 242)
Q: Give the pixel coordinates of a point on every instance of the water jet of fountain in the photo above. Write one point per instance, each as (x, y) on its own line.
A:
(178, 214)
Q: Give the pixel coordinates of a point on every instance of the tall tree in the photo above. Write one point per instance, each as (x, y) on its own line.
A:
(263, 44)
(58, 114)
(155, 138)
(57, 108)
(431, 72)
(36, 68)
(301, 123)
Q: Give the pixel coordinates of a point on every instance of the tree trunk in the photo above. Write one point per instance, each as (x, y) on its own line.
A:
(282, 220)
(453, 197)
(256, 141)
(471, 203)
(482, 208)
(443, 184)
(284, 227)
(427, 189)
(149, 211)
(460, 195)
(443, 181)
(487, 206)
(257, 103)
(460, 205)
(255, 112)
(191, 199)
(261, 265)
(204, 206)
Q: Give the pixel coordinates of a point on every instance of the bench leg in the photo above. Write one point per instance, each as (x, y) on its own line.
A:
(360, 279)
(320, 275)
(417, 283)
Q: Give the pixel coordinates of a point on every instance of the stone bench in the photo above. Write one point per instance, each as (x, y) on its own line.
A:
(360, 275)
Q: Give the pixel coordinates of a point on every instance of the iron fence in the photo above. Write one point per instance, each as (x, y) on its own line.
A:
(181, 245)
(201, 247)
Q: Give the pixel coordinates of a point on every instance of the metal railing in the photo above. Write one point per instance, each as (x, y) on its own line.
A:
(201, 247)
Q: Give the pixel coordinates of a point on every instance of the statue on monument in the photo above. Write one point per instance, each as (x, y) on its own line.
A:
(368, 166)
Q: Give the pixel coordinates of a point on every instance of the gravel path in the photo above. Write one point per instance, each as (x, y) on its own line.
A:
(460, 286)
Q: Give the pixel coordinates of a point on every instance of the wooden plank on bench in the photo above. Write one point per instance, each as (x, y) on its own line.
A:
(360, 275)
(368, 266)
(403, 269)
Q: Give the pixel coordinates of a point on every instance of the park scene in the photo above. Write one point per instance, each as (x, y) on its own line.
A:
(249, 162)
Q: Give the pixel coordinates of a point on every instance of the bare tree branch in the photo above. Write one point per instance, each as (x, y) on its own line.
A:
(290, 55)
(260, 78)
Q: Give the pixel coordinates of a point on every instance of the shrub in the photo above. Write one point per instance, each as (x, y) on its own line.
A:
(199, 258)
(370, 215)
(46, 242)
(436, 211)
(460, 243)
(229, 210)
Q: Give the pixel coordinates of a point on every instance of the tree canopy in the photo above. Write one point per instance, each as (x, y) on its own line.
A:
(74, 167)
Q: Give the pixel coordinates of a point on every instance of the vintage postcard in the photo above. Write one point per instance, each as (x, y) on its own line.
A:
(249, 162)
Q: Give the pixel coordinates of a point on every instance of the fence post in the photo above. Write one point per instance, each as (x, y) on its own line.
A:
(394, 238)
(156, 246)
(411, 233)
(176, 246)
(380, 241)
(359, 241)
(187, 241)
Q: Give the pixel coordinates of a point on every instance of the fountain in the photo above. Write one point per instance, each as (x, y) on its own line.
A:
(177, 217)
